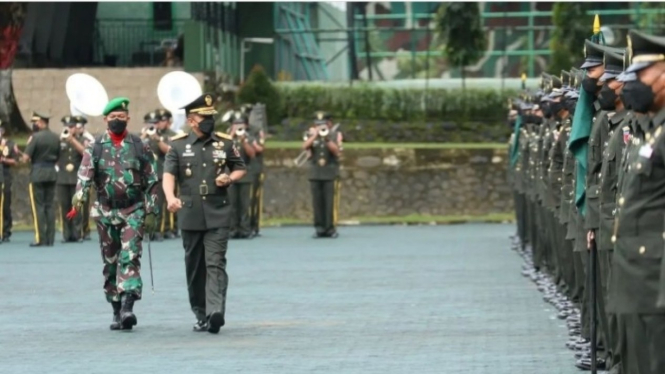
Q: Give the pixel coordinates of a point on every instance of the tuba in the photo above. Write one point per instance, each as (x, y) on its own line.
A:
(175, 90)
(86, 95)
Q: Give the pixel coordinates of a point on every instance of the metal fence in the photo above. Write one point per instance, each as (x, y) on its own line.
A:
(134, 42)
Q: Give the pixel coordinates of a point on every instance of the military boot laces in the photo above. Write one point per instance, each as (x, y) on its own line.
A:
(127, 317)
(115, 325)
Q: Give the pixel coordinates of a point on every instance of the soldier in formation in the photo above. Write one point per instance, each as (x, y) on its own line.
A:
(88, 138)
(122, 169)
(9, 158)
(587, 166)
(72, 146)
(197, 164)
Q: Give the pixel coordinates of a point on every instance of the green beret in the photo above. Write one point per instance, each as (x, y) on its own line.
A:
(118, 104)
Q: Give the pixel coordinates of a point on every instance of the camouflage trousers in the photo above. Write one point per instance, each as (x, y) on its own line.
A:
(121, 247)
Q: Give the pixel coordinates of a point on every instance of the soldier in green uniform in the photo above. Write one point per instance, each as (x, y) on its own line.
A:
(87, 138)
(197, 162)
(325, 148)
(170, 220)
(256, 127)
(43, 151)
(9, 158)
(241, 191)
(71, 154)
(157, 135)
(637, 278)
(122, 169)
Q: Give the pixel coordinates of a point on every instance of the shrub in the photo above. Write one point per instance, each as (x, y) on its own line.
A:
(259, 89)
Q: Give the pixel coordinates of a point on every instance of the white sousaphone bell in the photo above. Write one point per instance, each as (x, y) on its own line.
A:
(175, 90)
(86, 94)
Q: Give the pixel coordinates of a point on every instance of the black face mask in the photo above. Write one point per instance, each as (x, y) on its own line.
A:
(639, 95)
(569, 105)
(547, 110)
(207, 126)
(607, 98)
(117, 126)
(35, 127)
(511, 123)
(556, 108)
(590, 85)
(626, 100)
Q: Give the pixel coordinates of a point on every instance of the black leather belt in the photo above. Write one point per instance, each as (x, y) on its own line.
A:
(44, 164)
(202, 190)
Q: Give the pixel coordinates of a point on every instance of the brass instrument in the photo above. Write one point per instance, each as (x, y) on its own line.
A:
(151, 130)
(240, 132)
(64, 134)
(304, 155)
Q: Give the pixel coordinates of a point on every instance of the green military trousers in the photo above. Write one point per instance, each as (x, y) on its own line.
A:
(257, 203)
(325, 200)
(240, 195)
(42, 196)
(71, 229)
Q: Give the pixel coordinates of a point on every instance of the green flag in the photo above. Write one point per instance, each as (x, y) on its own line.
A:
(515, 149)
(578, 143)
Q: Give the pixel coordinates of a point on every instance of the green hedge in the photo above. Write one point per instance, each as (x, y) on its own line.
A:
(441, 131)
(395, 105)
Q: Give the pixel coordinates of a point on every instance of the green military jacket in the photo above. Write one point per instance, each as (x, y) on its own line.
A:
(9, 151)
(248, 161)
(69, 162)
(617, 136)
(257, 161)
(539, 183)
(44, 151)
(165, 137)
(522, 165)
(196, 163)
(323, 164)
(637, 281)
(567, 177)
(555, 172)
(548, 194)
(124, 178)
(594, 163)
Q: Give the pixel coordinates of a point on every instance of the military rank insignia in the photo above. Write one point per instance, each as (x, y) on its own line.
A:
(626, 135)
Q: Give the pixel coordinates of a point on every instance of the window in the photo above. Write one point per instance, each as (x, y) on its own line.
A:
(162, 15)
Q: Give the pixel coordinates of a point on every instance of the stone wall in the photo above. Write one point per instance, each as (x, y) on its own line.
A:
(43, 91)
(375, 183)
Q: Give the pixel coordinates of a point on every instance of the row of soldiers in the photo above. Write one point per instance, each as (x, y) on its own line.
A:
(588, 172)
(56, 160)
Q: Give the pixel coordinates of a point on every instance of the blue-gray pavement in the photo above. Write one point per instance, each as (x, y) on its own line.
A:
(381, 299)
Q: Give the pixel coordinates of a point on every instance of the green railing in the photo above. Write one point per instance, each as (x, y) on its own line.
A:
(133, 42)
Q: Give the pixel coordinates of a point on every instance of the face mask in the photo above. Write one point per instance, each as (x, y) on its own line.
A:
(511, 123)
(556, 108)
(35, 127)
(569, 105)
(547, 110)
(607, 98)
(590, 85)
(626, 100)
(206, 126)
(117, 126)
(641, 96)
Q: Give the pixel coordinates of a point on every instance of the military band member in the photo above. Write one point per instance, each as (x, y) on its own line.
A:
(241, 191)
(71, 154)
(157, 135)
(10, 156)
(43, 151)
(196, 162)
(88, 138)
(122, 169)
(324, 146)
(258, 133)
(170, 222)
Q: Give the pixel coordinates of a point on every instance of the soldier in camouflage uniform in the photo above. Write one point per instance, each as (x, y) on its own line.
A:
(71, 154)
(197, 162)
(122, 169)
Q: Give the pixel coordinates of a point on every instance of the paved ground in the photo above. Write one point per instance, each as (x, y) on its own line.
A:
(390, 299)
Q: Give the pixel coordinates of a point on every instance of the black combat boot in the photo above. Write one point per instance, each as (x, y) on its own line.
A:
(215, 322)
(127, 317)
(115, 325)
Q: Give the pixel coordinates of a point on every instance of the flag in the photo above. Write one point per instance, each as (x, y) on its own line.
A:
(578, 143)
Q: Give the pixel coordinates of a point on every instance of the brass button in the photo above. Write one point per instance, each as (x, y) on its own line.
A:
(203, 149)
(204, 181)
(614, 238)
(642, 250)
(204, 164)
(203, 197)
(621, 200)
(648, 136)
(639, 166)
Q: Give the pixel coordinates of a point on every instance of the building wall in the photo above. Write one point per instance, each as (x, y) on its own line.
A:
(331, 17)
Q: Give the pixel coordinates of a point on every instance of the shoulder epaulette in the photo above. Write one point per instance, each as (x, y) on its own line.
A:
(223, 135)
(179, 136)
(626, 128)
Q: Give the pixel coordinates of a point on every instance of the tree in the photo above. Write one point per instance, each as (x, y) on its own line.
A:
(458, 25)
(259, 89)
(12, 17)
(572, 27)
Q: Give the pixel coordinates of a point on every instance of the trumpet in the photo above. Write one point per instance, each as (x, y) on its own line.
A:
(323, 132)
(301, 159)
(64, 134)
(240, 132)
(150, 130)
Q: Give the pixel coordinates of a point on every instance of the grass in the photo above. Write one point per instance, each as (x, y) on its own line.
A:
(413, 219)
